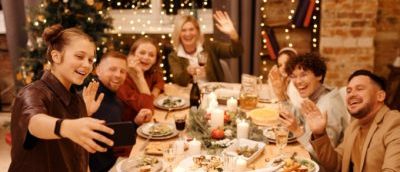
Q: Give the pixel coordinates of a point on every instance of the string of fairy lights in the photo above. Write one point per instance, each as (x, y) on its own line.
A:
(288, 29)
(190, 7)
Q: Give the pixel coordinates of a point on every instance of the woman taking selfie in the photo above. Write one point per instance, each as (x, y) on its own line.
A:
(49, 123)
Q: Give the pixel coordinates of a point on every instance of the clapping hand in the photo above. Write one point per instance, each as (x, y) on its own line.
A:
(225, 25)
(279, 83)
(89, 97)
(313, 116)
(288, 119)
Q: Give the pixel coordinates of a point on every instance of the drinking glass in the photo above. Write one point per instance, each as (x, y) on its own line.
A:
(180, 122)
(169, 155)
(202, 58)
(249, 91)
(229, 159)
(281, 137)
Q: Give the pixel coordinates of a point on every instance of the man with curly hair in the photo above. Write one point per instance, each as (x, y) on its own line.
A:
(307, 72)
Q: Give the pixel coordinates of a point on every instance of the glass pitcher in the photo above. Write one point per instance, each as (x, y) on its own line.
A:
(249, 91)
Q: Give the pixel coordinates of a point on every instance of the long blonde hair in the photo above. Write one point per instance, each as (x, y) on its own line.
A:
(179, 22)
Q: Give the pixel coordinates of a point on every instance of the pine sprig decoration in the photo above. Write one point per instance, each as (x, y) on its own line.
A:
(200, 129)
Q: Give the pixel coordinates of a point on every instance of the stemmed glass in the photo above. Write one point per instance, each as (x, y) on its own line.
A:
(169, 155)
(281, 137)
(180, 123)
(281, 132)
(202, 58)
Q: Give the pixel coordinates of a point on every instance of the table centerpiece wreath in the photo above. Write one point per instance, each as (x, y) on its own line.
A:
(214, 140)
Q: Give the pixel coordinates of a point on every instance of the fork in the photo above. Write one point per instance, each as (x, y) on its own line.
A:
(169, 108)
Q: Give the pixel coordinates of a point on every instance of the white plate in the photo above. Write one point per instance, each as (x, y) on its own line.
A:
(187, 164)
(179, 103)
(270, 135)
(128, 165)
(250, 144)
(278, 167)
(146, 128)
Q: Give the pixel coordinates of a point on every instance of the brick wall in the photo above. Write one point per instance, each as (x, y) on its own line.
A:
(348, 29)
(387, 39)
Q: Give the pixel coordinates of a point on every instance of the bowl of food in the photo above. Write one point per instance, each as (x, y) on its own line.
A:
(246, 148)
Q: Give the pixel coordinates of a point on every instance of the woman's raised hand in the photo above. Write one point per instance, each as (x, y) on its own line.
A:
(225, 25)
(89, 97)
(278, 82)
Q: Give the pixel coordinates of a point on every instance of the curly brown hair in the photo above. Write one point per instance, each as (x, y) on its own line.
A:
(308, 61)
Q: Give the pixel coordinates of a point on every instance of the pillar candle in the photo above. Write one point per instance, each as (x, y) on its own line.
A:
(180, 147)
(212, 96)
(217, 118)
(232, 104)
(242, 129)
(194, 147)
(211, 106)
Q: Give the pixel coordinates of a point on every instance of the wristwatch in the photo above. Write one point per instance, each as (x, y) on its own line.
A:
(58, 127)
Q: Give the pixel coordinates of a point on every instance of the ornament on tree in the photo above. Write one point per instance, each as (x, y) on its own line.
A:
(90, 2)
(41, 18)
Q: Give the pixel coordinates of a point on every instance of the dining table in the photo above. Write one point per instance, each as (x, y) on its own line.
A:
(167, 116)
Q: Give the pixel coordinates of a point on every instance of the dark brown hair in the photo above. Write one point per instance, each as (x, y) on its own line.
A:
(309, 61)
(56, 38)
(378, 80)
(144, 40)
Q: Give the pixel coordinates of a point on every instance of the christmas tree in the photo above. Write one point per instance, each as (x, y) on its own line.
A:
(89, 15)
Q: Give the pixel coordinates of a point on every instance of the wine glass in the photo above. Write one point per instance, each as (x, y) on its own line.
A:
(169, 155)
(180, 122)
(202, 58)
(281, 137)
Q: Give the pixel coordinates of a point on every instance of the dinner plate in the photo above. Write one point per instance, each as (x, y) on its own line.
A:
(143, 131)
(270, 135)
(157, 130)
(279, 164)
(132, 165)
(188, 163)
(171, 103)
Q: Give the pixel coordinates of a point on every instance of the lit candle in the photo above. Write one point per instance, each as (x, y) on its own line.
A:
(232, 104)
(242, 129)
(211, 106)
(194, 147)
(179, 169)
(217, 118)
(240, 164)
(212, 96)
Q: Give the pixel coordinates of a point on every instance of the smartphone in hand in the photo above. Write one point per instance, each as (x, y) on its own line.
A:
(124, 134)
